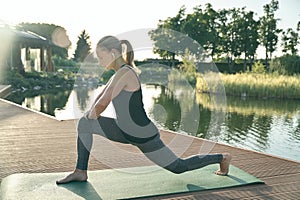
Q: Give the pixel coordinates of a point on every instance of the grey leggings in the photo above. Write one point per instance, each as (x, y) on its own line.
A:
(154, 149)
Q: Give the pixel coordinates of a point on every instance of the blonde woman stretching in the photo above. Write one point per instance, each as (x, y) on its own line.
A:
(132, 125)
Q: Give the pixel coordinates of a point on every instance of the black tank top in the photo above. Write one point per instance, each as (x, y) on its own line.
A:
(131, 116)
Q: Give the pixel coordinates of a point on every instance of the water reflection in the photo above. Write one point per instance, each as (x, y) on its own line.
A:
(43, 101)
(269, 125)
(171, 109)
(82, 97)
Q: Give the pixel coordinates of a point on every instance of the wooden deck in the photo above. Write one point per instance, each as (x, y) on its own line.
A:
(31, 142)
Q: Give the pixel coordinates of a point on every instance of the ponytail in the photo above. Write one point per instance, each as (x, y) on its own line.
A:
(128, 54)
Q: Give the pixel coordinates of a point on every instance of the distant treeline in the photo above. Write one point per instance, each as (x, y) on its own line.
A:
(227, 35)
(285, 65)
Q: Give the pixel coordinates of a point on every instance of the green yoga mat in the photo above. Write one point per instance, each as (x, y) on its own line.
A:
(121, 183)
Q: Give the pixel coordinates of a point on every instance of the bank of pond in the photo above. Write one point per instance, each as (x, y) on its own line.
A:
(251, 85)
(258, 85)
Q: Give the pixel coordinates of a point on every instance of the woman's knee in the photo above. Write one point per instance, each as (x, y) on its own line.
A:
(83, 125)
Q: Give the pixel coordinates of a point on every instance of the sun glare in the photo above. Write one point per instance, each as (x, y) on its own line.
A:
(5, 38)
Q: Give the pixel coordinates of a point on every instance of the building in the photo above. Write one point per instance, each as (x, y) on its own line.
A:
(24, 50)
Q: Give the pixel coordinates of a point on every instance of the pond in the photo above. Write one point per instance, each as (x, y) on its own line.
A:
(265, 125)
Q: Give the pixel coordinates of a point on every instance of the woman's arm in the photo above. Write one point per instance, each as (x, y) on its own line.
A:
(86, 114)
(117, 83)
(98, 97)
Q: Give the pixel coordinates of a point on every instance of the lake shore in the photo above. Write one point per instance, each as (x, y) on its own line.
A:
(254, 85)
(241, 84)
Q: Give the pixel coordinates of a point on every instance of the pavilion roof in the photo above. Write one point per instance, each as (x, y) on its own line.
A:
(26, 38)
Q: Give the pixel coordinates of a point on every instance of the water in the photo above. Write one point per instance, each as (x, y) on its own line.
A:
(270, 126)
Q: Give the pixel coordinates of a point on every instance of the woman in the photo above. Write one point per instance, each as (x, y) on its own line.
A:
(131, 126)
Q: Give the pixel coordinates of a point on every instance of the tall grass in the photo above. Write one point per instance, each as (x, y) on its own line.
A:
(257, 85)
(249, 106)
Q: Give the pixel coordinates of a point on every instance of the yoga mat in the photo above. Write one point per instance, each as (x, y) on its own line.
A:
(123, 183)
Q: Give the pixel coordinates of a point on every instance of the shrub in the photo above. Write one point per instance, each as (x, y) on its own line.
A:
(188, 67)
(58, 61)
(258, 68)
(287, 64)
(29, 80)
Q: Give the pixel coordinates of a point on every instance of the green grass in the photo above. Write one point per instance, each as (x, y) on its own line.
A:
(256, 85)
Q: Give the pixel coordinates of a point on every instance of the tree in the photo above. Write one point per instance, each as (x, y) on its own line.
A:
(223, 32)
(83, 47)
(235, 35)
(47, 31)
(248, 35)
(194, 26)
(268, 29)
(165, 35)
(290, 40)
(211, 21)
(229, 31)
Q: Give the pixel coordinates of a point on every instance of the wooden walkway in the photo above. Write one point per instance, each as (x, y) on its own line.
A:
(31, 142)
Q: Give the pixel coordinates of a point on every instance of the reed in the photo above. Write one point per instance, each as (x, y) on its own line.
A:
(255, 85)
(250, 106)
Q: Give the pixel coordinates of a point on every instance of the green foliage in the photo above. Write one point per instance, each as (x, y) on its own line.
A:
(224, 68)
(258, 68)
(83, 47)
(36, 80)
(226, 33)
(290, 40)
(277, 68)
(188, 64)
(199, 25)
(287, 64)
(268, 29)
(13, 78)
(188, 67)
(238, 34)
(164, 39)
(62, 62)
(248, 31)
(221, 33)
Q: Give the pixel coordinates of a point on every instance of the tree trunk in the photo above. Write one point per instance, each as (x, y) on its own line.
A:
(245, 63)
(266, 60)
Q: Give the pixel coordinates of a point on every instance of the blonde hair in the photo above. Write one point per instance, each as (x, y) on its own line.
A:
(123, 46)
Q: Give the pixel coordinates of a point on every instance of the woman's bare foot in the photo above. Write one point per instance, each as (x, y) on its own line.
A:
(224, 165)
(77, 175)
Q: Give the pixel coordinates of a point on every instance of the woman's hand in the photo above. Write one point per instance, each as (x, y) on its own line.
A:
(86, 114)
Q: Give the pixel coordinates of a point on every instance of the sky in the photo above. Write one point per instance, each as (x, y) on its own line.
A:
(100, 18)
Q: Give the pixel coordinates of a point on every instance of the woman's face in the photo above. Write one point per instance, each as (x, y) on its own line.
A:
(105, 57)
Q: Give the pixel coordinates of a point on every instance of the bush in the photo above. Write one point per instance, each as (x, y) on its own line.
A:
(44, 80)
(188, 68)
(58, 61)
(258, 68)
(286, 65)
